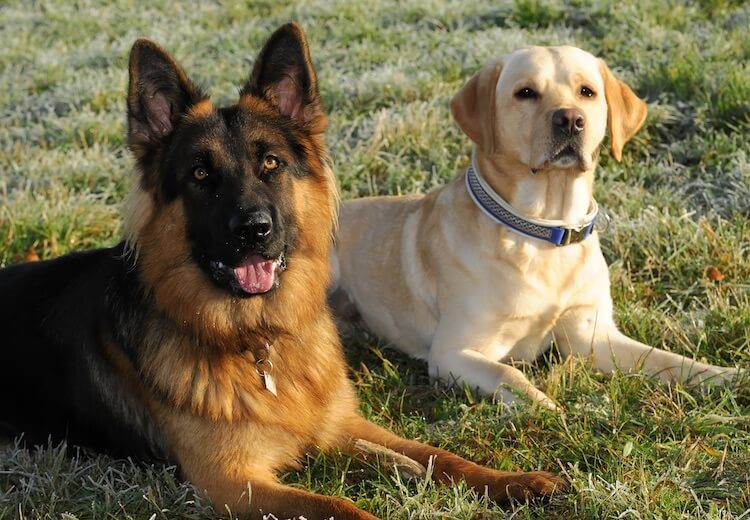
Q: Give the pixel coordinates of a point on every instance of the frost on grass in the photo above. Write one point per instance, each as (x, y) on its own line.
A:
(46, 482)
(680, 202)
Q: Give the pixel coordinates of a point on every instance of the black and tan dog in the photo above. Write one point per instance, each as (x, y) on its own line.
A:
(204, 338)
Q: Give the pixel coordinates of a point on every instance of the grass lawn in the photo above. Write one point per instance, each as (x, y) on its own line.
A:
(678, 246)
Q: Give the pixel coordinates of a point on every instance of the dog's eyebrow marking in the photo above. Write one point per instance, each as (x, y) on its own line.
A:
(202, 109)
(215, 152)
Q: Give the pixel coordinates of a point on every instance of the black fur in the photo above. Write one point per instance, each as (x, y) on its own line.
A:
(237, 185)
(54, 379)
(58, 317)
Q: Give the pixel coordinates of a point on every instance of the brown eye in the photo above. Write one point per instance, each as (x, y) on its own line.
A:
(587, 92)
(200, 174)
(526, 93)
(270, 162)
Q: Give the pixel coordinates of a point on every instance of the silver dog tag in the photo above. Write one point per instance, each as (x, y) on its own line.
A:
(264, 366)
(269, 383)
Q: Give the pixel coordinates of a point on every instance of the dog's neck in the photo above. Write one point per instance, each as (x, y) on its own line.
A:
(549, 194)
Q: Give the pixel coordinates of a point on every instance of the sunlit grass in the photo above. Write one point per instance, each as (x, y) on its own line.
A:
(679, 201)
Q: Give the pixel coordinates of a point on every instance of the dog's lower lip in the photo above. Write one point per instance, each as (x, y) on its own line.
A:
(568, 150)
(561, 153)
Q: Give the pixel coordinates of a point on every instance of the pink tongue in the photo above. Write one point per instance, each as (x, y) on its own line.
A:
(256, 274)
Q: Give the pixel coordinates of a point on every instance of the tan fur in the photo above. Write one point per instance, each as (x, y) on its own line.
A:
(196, 369)
(197, 360)
(138, 210)
(449, 468)
(201, 110)
(443, 282)
(625, 116)
(184, 292)
(203, 389)
(226, 431)
(474, 97)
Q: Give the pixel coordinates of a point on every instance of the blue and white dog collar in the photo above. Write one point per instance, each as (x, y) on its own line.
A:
(553, 231)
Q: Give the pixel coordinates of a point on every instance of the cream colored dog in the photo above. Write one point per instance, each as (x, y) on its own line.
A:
(443, 281)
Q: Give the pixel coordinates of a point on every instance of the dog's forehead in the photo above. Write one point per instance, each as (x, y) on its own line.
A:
(228, 131)
(561, 64)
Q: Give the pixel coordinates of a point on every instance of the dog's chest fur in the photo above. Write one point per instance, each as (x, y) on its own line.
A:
(530, 286)
(516, 288)
(211, 404)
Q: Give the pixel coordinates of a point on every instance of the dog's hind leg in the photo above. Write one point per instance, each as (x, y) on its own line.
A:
(447, 467)
(592, 332)
(260, 499)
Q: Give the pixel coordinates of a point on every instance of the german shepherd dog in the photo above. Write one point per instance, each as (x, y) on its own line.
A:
(204, 337)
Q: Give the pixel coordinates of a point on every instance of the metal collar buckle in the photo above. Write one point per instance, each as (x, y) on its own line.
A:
(573, 236)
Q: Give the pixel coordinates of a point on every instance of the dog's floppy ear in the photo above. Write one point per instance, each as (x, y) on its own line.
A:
(626, 112)
(284, 75)
(473, 107)
(159, 93)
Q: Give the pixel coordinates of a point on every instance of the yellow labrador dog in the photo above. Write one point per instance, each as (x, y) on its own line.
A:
(494, 265)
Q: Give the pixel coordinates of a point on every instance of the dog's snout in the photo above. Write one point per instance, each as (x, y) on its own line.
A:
(569, 121)
(254, 226)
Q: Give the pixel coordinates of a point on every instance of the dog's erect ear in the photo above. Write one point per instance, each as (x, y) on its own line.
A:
(473, 107)
(626, 112)
(284, 75)
(159, 93)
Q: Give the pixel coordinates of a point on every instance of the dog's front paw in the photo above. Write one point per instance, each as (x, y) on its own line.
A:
(502, 486)
(549, 404)
(508, 396)
(345, 510)
(714, 375)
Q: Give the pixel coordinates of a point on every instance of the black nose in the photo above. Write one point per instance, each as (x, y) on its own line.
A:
(253, 226)
(569, 121)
